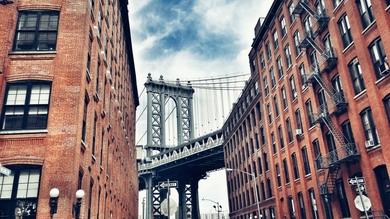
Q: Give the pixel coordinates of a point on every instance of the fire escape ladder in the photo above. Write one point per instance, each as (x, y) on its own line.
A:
(308, 9)
(319, 15)
(337, 97)
(339, 138)
(328, 90)
(327, 188)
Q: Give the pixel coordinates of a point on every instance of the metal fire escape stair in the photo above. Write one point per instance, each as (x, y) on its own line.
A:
(309, 38)
(327, 188)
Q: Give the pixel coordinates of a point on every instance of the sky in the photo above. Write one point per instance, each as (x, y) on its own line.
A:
(193, 39)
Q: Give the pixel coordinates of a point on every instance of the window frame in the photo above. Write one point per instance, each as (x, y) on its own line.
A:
(356, 74)
(345, 30)
(368, 124)
(26, 106)
(378, 56)
(36, 34)
(366, 13)
(7, 204)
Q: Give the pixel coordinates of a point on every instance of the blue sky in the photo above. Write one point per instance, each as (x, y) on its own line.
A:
(193, 38)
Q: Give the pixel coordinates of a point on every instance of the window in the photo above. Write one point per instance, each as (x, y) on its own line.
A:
(283, 26)
(309, 112)
(286, 174)
(94, 134)
(327, 41)
(281, 138)
(387, 2)
(315, 67)
(291, 8)
(336, 3)
(258, 110)
(265, 158)
(386, 102)
(347, 132)
(378, 57)
(263, 190)
(338, 89)
(92, 4)
(317, 154)
(84, 127)
(272, 212)
(269, 113)
(308, 26)
(299, 119)
(331, 144)
(26, 106)
(269, 187)
(297, 42)
(345, 31)
(262, 61)
(272, 75)
(301, 205)
(366, 13)
(268, 49)
(276, 104)
(356, 76)
(266, 88)
(280, 67)
(90, 196)
(262, 136)
(260, 165)
(291, 207)
(275, 36)
(273, 143)
(369, 126)
(294, 93)
(313, 203)
(343, 201)
(36, 30)
(289, 130)
(303, 76)
(279, 180)
(287, 52)
(285, 103)
(320, 6)
(295, 165)
(19, 192)
(305, 159)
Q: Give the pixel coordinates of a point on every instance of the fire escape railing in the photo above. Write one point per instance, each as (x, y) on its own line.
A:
(344, 151)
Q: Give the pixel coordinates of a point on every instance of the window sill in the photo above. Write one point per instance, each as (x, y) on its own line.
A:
(32, 55)
(14, 132)
(368, 28)
(347, 47)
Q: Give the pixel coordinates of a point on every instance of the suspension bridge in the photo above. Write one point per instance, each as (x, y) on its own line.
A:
(183, 137)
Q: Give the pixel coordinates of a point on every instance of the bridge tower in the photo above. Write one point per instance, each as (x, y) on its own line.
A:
(158, 92)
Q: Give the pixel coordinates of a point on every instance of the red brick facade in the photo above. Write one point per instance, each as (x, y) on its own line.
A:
(324, 120)
(83, 136)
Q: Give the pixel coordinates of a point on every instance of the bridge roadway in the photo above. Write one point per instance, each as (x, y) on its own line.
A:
(187, 162)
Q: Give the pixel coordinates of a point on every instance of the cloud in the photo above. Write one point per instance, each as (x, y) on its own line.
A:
(189, 39)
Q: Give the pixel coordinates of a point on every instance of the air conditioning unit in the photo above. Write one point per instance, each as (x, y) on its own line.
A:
(298, 132)
(384, 68)
(369, 143)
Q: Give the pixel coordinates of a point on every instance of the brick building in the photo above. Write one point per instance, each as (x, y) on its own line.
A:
(315, 113)
(68, 100)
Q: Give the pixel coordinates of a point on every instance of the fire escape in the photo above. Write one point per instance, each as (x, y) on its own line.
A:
(344, 151)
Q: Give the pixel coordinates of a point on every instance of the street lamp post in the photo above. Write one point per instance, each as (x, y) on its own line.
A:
(254, 184)
(218, 207)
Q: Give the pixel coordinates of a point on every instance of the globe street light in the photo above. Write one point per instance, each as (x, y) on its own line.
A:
(254, 184)
(218, 207)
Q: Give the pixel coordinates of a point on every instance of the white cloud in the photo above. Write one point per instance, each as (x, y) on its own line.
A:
(224, 34)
